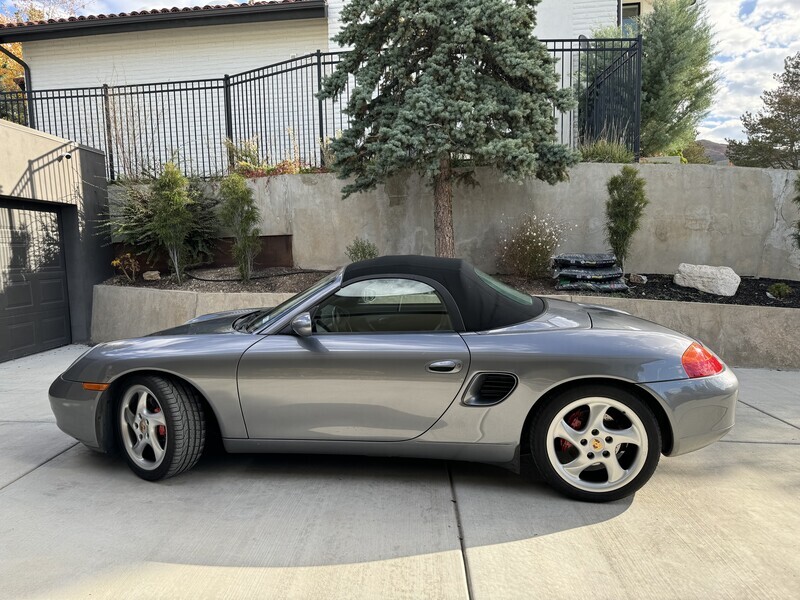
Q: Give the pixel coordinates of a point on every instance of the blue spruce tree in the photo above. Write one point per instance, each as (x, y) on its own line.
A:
(439, 81)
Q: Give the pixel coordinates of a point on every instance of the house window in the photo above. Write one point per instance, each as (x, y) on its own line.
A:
(630, 18)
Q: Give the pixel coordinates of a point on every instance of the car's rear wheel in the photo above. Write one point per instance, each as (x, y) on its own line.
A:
(596, 443)
(161, 426)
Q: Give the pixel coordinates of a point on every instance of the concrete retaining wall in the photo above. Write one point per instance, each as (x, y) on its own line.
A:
(126, 312)
(744, 336)
(737, 217)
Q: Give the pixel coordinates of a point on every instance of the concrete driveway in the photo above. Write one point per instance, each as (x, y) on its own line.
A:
(723, 522)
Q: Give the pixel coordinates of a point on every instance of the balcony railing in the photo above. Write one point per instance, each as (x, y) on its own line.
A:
(141, 126)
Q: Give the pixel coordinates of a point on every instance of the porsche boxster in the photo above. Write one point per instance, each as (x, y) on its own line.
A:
(408, 356)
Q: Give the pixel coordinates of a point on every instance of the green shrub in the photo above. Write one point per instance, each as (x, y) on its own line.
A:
(170, 215)
(171, 219)
(203, 233)
(780, 290)
(605, 151)
(361, 249)
(240, 214)
(695, 154)
(528, 248)
(245, 157)
(624, 208)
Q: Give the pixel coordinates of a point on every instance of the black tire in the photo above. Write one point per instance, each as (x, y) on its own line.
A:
(540, 438)
(185, 434)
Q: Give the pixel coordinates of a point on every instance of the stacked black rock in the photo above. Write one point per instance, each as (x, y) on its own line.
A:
(588, 272)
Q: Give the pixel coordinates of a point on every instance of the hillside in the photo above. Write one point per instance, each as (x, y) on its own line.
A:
(715, 151)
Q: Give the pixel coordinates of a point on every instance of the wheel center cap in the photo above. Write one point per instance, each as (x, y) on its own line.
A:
(142, 426)
(597, 444)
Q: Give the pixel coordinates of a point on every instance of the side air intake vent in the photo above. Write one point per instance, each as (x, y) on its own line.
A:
(489, 388)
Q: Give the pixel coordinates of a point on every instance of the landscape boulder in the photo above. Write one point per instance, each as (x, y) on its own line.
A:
(722, 281)
(151, 275)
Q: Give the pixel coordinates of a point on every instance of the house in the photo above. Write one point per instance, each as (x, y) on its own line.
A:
(52, 248)
(148, 86)
(175, 44)
(630, 12)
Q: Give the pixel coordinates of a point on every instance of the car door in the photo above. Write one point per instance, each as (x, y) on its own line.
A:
(383, 363)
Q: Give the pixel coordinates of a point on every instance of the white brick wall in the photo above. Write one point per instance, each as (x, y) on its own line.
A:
(170, 54)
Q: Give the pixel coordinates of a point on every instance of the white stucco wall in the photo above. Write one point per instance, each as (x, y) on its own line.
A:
(170, 54)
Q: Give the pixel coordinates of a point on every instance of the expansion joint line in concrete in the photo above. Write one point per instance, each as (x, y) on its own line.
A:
(464, 559)
(41, 464)
(763, 412)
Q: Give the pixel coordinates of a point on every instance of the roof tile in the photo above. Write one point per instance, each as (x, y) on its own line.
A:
(122, 15)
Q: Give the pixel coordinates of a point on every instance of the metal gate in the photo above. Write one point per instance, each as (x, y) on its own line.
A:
(34, 308)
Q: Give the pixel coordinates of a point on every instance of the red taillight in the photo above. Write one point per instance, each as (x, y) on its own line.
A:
(700, 362)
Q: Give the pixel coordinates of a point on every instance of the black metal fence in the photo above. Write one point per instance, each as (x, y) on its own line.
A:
(141, 126)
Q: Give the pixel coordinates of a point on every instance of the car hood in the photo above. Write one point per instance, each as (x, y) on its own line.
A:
(221, 322)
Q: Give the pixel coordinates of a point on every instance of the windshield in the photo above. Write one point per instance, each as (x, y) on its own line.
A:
(505, 290)
(258, 320)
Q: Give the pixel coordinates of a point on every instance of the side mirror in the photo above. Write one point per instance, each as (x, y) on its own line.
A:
(301, 324)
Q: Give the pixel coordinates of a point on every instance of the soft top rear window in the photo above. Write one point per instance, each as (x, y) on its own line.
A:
(505, 290)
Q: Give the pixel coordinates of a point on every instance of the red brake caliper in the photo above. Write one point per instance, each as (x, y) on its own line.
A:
(573, 420)
(162, 430)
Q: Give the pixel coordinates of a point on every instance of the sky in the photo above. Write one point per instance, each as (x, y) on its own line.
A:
(753, 38)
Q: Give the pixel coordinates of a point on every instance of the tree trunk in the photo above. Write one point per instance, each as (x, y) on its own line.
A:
(443, 210)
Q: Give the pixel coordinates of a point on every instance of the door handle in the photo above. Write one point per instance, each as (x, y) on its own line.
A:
(445, 366)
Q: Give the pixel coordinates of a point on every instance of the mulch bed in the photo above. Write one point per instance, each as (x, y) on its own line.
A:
(286, 279)
(226, 279)
(751, 291)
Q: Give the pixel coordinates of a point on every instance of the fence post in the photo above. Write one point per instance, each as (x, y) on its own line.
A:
(321, 119)
(31, 107)
(226, 87)
(637, 140)
(109, 137)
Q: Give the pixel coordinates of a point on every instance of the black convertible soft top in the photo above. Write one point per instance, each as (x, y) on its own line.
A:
(482, 305)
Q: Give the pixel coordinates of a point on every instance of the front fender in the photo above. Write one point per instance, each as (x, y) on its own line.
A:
(208, 362)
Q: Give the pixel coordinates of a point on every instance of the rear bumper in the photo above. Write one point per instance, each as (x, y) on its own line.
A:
(701, 410)
(79, 412)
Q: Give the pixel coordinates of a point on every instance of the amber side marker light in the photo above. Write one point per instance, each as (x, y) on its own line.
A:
(700, 362)
(96, 387)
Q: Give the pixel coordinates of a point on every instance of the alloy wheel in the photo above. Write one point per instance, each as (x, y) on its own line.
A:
(597, 444)
(143, 427)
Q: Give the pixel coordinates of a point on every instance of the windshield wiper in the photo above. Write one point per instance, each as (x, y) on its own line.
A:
(243, 323)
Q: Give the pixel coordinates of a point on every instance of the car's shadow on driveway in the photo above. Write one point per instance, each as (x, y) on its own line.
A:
(322, 510)
(274, 513)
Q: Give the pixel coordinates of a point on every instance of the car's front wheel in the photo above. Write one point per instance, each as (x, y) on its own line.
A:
(596, 443)
(161, 426)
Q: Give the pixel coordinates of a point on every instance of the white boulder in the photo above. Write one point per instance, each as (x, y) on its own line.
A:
(151, 275)
(722, 281)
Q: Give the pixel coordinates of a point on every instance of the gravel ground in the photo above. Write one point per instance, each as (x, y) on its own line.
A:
(286, 279)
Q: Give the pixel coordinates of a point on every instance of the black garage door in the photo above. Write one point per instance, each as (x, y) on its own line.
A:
(34, 310)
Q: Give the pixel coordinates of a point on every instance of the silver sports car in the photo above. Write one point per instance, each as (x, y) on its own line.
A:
(408, 356)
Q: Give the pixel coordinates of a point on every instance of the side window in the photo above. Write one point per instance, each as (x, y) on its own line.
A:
(383, 305)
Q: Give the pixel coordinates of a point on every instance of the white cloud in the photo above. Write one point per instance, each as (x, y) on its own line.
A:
(751, 49)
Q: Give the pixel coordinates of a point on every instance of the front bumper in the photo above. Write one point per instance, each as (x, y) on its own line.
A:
(700, 410)
(80, 413)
